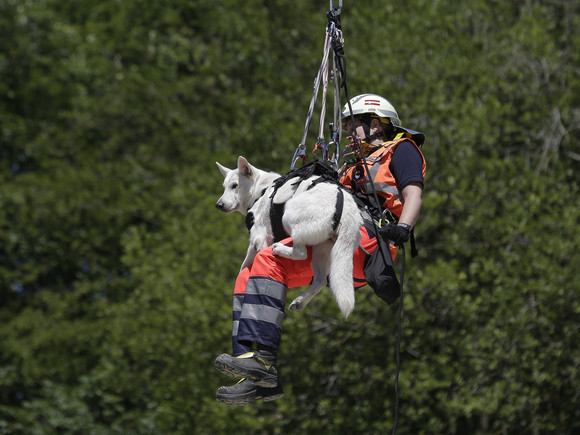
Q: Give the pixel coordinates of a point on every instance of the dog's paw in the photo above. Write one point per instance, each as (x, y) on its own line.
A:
(296, 252)
(280, 249)
(296, 305)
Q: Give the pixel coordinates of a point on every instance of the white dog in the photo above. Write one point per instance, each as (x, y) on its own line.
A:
(308, 218)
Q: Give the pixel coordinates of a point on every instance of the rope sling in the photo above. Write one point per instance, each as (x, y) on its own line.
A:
(332, 42)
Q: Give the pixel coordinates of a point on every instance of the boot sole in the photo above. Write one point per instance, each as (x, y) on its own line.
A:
(271, 398)
(246, 399)
(238, 400)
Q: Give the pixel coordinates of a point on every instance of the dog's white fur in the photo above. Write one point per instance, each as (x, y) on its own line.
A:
(308, 218)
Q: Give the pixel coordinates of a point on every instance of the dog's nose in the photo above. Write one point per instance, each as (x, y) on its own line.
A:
(219, 205)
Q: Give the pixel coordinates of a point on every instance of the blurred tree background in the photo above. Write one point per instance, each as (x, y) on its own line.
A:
(116, 270)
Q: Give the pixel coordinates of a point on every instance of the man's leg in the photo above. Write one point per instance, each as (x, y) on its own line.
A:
(246, 391)
(262, 314)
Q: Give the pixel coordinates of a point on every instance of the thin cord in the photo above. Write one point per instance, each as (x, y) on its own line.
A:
(398, 348)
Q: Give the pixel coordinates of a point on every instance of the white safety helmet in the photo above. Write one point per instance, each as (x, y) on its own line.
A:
(372, 104)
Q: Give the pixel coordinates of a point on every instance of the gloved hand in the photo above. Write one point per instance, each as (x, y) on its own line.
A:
(397, 233)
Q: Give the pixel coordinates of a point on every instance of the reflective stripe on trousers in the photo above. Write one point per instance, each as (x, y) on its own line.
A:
(262, 312)
(238, 348)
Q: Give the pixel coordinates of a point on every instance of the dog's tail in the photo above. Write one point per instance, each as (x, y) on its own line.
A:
(340, 277)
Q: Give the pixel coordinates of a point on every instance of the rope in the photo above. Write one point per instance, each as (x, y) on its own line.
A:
(398, 348)
(333, 39)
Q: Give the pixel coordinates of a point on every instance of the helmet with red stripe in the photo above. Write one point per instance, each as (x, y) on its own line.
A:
(372, 104)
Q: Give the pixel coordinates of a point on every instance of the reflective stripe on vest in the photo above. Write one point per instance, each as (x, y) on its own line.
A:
(379, 168)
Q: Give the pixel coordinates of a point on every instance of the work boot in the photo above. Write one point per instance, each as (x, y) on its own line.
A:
(259, 366)
(246, 392)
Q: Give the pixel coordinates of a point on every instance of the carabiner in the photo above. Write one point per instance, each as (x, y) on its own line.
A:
(299, 154)
(332, 160)
(323, 146)
(334, 11)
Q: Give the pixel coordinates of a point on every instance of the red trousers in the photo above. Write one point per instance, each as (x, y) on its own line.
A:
(297, 273)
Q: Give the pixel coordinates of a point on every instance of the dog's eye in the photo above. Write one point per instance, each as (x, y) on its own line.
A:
(234, 185)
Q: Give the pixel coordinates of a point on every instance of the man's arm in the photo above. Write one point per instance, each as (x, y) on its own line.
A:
(413, 198)
(412, 201)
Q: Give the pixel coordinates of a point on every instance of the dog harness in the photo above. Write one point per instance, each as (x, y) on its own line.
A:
(325, 174)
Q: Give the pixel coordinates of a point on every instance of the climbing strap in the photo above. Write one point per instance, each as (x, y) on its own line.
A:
(333, 41)
(323, 170)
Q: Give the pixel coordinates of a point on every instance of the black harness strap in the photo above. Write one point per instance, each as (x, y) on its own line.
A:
(338, 210)
(276, 213)
(319, 168)
(249, 220)
(250, 215)
(414, 251)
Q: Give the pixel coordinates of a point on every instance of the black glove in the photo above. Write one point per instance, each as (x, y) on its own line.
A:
(398, 234)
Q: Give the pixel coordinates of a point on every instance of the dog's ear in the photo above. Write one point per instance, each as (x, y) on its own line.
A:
(245, 168)
(225, 171)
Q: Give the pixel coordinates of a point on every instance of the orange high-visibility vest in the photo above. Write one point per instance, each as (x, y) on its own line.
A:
(379, 168)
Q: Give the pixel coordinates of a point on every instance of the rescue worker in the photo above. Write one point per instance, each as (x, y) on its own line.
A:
(398, 168)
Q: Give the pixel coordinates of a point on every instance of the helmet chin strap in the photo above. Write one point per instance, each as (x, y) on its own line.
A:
(372, 137)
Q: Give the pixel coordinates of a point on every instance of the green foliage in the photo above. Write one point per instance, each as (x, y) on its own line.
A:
(116, 271)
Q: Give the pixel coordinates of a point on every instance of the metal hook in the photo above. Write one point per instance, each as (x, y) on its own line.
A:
(323, 146)
(299, 154)
(335, 11)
